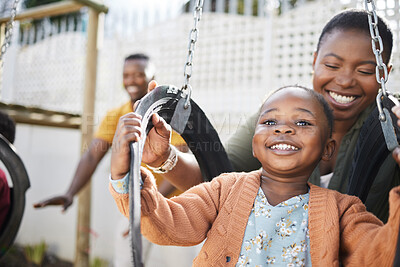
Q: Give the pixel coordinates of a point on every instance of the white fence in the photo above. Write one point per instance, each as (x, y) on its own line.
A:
(238, 59)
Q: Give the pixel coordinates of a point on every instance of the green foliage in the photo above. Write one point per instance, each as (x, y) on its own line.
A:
(16, 257)
(34, 3)
(292, 3)
(35, 253)
(54, 20)
(98, 262)
(241, 4)
(254, 7)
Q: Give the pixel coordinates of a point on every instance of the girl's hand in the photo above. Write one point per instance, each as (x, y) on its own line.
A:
(156, 148)
(128, 130)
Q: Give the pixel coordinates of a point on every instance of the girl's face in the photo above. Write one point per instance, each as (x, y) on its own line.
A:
(344, 73)
(291, 134)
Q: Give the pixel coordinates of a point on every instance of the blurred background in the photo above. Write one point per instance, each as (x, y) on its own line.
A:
(245, 49)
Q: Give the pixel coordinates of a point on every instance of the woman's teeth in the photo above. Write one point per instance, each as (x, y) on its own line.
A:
(341, 98)
(284, 147)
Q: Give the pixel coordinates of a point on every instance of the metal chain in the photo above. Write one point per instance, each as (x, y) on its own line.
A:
(193, 35)
(381, 78)
(9, 30)
(381, 68)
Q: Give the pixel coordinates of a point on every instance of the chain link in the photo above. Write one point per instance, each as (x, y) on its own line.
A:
(193, 35)
(381, 68)
(9, 30)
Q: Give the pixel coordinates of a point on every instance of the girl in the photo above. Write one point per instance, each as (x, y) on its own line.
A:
(273, 215)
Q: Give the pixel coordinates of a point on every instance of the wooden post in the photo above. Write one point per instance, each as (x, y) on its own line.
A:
(83, 224)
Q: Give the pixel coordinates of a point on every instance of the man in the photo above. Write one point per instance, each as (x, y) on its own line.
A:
(137, 73)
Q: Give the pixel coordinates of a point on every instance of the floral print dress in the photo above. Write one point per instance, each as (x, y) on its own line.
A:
(277, 235)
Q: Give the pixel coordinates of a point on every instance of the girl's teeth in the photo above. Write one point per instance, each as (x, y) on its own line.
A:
(341, 98)
(284, 147)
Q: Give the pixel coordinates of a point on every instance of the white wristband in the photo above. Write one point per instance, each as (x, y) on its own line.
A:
(169, 164)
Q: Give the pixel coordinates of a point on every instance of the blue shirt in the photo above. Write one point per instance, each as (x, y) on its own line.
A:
(277, 235)
(120, 186)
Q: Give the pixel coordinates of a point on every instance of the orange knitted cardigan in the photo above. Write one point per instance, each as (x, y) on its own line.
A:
(341, 230)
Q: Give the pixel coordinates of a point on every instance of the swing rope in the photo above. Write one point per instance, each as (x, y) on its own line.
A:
(9, 31)
(193, 35)
(381, 72)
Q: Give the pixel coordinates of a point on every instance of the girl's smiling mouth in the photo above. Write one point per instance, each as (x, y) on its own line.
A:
(283, 147)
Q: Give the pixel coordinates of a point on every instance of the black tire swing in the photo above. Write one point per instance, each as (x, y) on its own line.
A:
(21, 183)
(192, 124)
(186, 118)
(14, 166)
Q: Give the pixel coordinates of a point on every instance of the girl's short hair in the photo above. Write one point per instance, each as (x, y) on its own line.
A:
(317, 96)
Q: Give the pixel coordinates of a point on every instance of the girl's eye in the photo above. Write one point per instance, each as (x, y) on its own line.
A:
(303, 123)
(270, 122)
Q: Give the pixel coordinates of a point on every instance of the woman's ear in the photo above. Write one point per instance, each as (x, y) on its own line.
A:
(315, 54)
(329, 149)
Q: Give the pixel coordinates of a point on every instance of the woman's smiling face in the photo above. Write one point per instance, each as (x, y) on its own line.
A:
(344, 73)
